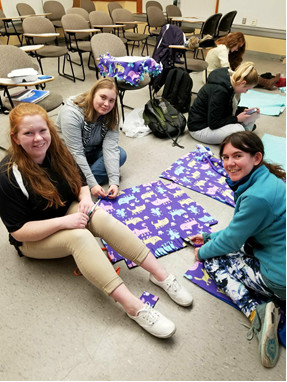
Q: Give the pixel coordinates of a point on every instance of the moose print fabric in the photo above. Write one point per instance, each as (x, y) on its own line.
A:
(201, 171)
(162, 216)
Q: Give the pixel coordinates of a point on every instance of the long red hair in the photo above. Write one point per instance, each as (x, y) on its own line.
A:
(231, 40)
(62, 160)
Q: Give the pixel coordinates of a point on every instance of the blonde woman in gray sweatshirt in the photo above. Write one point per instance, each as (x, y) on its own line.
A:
(89, 124)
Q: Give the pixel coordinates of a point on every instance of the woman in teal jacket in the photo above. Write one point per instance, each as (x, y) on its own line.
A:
(250, 254)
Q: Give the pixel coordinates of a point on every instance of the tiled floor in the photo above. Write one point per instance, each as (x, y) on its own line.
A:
(56, 326)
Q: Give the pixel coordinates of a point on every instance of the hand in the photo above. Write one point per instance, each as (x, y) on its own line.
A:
(113, 191)
(85, 205)
(196, 254)
(99, 191)
(243, 117)
(197, 240)
(76, 220)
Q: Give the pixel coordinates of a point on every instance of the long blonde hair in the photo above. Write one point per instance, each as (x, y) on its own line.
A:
(245, 72)
(62, 161)
(85, 101)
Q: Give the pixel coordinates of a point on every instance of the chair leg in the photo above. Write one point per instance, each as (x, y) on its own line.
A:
(150, 90)
(64, 74)
(40, 63)
(121, 96)
(80, 64)
(145, 44)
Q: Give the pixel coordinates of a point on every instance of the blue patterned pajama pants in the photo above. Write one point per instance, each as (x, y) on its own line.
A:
(238, 274)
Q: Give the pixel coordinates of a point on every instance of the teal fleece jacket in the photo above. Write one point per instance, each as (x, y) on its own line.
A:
(260, 215)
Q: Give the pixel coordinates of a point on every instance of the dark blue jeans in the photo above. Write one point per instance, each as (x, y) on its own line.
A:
(98, 167)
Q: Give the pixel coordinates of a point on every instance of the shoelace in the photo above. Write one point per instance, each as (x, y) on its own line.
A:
(149, 314)
(251, 331)
(173, 284)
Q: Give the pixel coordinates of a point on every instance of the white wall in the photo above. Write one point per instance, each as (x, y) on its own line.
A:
(266, 13)
(9, 6)
(200, 9)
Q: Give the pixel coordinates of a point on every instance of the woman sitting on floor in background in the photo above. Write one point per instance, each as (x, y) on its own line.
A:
(213, 115)
(47, 209)
(228, 52)
(250, 254)
(89, 123)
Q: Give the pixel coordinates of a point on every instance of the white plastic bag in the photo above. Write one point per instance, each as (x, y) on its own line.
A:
(134, 125)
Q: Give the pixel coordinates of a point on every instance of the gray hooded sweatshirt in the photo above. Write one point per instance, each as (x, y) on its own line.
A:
(82, 138)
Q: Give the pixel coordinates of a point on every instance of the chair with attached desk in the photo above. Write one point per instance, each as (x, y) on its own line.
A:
(225, 24)
(101, 20)
(88, 5)
(155, 20)
(153, 4)
(25, 9)
(170, 50)
(12, 58)
(103, 43)
(113, 5)
(40, 30)
(56, 10)
(209, 27)
(8, 28)
(124, 16)
(174, 11)
(77, 34)
(78, 11)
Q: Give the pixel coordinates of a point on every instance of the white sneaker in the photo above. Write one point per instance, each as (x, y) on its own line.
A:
(154, 322)
(174, 289)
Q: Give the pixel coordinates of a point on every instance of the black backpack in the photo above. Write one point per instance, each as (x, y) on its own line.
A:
(177, 89)
(164, 120)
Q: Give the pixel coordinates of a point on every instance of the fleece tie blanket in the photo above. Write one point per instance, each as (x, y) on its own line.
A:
(269, 104)
(198, 275)
(275, 149)
(162, 216)
(203, 172)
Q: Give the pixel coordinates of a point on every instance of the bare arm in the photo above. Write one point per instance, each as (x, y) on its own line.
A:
(40, 229)
(85, 200)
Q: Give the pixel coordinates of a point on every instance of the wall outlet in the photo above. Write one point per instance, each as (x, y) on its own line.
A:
(254, 22)
(244, 20)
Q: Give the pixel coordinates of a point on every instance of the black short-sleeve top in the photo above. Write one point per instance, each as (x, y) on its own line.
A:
(19, 205)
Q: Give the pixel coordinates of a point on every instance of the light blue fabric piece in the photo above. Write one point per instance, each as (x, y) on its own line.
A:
(275, 149)
(269, 104)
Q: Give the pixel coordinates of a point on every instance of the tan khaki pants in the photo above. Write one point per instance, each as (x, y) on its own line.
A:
(82, 245)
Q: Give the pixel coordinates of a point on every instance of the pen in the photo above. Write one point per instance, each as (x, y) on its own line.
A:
(93, 208)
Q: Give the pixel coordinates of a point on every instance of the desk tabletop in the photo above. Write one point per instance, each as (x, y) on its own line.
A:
(41, 34)
(37, 14)
(191, 19)
(89, 30)
(12, 18)
(108, 25)
(30, 48)
(131, 22)
(9, 82)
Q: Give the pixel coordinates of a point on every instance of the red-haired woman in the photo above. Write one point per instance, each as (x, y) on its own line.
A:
(228, 52)
(47, 208)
